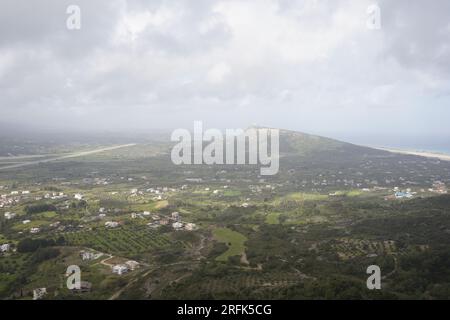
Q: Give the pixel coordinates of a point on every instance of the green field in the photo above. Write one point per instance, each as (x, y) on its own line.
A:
(234, 240)
(272, 218)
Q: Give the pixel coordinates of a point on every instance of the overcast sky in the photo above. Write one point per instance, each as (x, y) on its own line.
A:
(312, 66)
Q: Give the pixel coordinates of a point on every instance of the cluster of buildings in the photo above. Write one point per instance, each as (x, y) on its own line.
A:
(179, 225)
(121, 269)
(401, 194)
(9, 215)
(8, 200)
(174, 219)
(156, 220)
(438, 187)
(53, 196)
(158, 192)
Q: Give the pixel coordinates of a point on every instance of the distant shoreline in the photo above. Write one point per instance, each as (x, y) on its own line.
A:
(427, 154)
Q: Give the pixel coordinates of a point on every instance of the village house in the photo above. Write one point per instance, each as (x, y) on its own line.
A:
(164, 222)
(89, 255)
(86, 255)
(402, 194)
(39, 293)
(55, 224)
(190, 226)
(9, 215)
(120, 269)
(153, 225)
(5, 247)
(84, 287)
(35, 230)
(78, 196)
(177, 225)
(175, 216)
(111, 224)
(132, 265)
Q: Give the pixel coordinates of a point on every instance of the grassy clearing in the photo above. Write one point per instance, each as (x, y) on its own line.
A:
(161, 204)
(234, 240)
(33, 224)
(272, 218)
(47, 214)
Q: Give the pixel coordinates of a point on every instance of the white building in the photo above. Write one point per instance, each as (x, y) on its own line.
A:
(111, 224)
(9, 215)
(5, 247)
(39, 293)
(86, 255)
(35, 230)
(191, 226)
(120, 269)
(78, 196)
(131, 264)
(177, 225)
(176, 216)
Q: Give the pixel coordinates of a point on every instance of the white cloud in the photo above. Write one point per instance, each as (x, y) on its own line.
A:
(218, 73)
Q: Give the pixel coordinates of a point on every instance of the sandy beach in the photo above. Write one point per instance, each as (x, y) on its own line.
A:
(440, 156)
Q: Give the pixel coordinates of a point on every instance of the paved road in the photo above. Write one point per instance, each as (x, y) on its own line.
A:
(67, 156)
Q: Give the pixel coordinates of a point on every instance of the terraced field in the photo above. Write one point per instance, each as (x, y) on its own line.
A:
(350, 248)
(251, 281)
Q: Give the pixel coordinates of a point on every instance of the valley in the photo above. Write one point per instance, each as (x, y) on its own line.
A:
(140, 227)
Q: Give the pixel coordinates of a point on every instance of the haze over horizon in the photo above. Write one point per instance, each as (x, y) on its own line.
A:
(308, 66)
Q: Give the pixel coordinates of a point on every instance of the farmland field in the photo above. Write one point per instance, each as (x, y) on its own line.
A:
(121, 241)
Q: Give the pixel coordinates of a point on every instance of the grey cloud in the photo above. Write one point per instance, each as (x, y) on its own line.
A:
(307, 65)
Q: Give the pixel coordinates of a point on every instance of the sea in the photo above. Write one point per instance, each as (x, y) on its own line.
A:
(433, 144)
